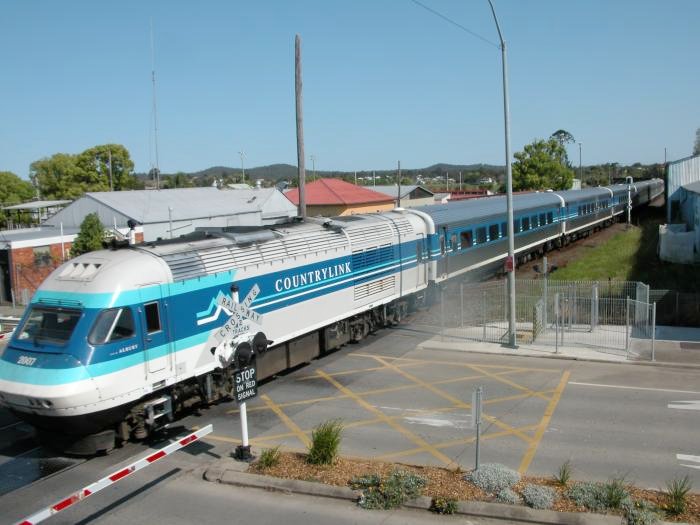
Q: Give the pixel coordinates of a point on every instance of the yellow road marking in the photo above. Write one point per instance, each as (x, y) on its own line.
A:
(508, 382)
(453, 363)
(455, 442)
(291, 425)
(456, 401)
(353, 371)
(530, 454)
(424, 445)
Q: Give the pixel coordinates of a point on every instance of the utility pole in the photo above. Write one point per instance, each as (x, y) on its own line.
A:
(398, 195)
(111, 186)
(242, 155)
(300, 127)
(355, 177)
(155, 113)
(313, 166)
(580, 166)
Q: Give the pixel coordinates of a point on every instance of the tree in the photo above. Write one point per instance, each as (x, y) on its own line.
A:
(13, 190)
(540, 166)
(65, 176)
(563, 137)
(696, 148)
(89, 237)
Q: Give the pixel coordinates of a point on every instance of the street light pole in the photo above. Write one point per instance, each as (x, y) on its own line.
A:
(313, 165)
(510, 263)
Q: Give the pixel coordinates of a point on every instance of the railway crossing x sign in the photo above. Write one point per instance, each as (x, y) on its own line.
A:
(236, 326)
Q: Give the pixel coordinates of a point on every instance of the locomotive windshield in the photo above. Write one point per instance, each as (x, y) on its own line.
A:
(112, 325)
(53, 325)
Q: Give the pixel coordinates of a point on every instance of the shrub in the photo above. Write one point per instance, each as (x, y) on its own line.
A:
(677, 495)
(269, 457)
(640, 512)
(588, 495)
(508, 496)
(563, 475)
(444, 505)
(493, 477)
(615, 494)
(389, 493)
(538, 497)
(325, 441)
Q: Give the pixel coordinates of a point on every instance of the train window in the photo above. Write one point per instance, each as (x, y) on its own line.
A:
(50, 324)
(580, 210)
(152, 318)
(112, 325)
(466, 239)
(533, 222)
(550, 217)
(526, 223)
(516, 225)
(504, 229)
(453, 242)
(480, 235)
(442, 245)
(543, 219)
(493, 232)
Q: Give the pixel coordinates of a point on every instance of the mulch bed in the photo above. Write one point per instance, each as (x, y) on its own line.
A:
(441, 482)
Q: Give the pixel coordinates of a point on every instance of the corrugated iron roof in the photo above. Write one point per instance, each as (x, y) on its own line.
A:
(151, 206)
(393, 191)
(335, 192)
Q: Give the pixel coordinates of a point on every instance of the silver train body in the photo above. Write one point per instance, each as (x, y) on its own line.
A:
(115, 342)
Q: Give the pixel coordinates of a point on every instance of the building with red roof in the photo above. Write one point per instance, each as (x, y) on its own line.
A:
(334, 197)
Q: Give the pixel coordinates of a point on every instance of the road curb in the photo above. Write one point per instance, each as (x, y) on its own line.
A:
(662, 364)
(220, 473)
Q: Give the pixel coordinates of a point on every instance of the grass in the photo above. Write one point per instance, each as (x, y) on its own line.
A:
(269, 457)
(614, 259)
(325, 442)
(563, 475)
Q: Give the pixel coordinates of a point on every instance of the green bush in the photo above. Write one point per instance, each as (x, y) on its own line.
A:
(563, 475)
(677, 495)
(389, 493)
(325, 442)
(589, 495)
(444, 505)
(508, 496)
(493, 477)
(269, 457)
(640, 512)
(538, 497)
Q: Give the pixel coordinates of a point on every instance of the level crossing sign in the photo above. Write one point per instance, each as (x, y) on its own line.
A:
(236, 326)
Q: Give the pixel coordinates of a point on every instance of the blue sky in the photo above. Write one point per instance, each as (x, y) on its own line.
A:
(383, 80)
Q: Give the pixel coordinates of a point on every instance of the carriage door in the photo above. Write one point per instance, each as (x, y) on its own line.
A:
(154, 330)
(421, 261)
(442, 264)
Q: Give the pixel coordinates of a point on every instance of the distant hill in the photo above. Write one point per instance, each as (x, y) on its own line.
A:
(277, 172)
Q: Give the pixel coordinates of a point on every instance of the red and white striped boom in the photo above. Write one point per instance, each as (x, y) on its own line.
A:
(93, 488)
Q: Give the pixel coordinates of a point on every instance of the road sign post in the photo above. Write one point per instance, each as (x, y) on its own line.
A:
(233, 332)
(477, 395)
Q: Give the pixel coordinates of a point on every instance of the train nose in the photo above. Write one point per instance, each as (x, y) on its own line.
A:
(45, 384)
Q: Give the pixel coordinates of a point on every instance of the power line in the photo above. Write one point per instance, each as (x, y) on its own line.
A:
(456, 24)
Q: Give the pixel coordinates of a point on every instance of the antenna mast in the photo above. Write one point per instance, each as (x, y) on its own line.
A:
(155, 113)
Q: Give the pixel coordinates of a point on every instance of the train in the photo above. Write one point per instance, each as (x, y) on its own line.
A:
(116, 342)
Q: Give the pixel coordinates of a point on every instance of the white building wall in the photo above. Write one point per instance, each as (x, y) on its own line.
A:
(679, 173)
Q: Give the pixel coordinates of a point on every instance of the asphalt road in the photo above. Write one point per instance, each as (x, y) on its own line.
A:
(608, 419)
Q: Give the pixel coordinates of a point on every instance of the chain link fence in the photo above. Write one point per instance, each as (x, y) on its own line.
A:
(613, 316)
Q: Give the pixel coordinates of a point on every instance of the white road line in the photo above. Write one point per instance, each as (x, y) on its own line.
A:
(685, 405)
(635, 388)
(687, 457)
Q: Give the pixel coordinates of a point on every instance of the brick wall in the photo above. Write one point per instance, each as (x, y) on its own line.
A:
(27, 273)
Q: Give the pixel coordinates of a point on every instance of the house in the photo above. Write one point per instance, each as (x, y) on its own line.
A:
(334, 197)
(678, 174)
(175, 212)
(411, 195)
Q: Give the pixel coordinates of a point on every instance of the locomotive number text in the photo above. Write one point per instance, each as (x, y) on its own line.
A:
(26, 360)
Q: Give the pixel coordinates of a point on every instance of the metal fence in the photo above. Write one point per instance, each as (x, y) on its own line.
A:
(608, 316)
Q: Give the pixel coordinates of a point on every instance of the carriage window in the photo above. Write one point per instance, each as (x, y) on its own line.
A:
(442, 245)
(453, 242)
(504, 229)
(480, 235)
(152, 317)
(466, 239)
(526, 223)
(516, 225)
(533, 222)
(550, 217)
(112, 325)
(543, 219)
(493, 232)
